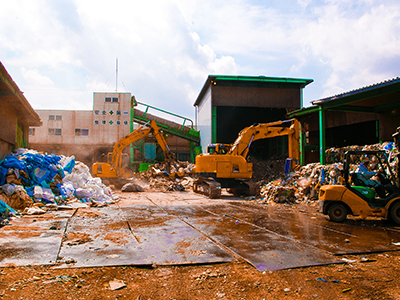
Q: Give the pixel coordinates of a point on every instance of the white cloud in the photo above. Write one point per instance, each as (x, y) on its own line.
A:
(34, 78)
(166, 49)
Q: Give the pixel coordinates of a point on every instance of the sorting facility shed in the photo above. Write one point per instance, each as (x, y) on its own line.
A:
(227, 104)
(363, 116)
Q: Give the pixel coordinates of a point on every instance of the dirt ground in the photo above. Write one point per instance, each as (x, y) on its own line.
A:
(372, 276)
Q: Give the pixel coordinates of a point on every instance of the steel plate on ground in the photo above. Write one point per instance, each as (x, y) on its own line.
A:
(169, 241)
(265, 250)
(100, 237)
(29, 247)
(317, 231)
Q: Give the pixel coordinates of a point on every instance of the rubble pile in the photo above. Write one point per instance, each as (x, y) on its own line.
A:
(29, 178)
(303, 185)
(170, 177)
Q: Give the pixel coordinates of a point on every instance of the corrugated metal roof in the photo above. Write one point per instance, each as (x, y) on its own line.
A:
(358, 91)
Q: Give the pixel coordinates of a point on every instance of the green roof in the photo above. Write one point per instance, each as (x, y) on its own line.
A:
(262, 79)
(255, 79)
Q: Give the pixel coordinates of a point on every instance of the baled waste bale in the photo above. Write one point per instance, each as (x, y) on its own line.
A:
(306, 182)
(28, 177)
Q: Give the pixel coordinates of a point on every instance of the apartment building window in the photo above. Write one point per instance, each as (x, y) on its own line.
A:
(96, 122)
(103, 122)
(103, 112)
(55, 117)
(118, 122)
(126, 113)
(55, 131)
(125, 122)
(114, 99)
(107, 99)
(31, 131)
(118, 112)
(97, 112)
(81, 132)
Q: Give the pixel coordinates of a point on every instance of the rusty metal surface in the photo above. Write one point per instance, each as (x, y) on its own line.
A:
(265, 250)
(183, 228)
(99, 237)
(31, 241)
(142, 235)
(169, 241)
(316, 230)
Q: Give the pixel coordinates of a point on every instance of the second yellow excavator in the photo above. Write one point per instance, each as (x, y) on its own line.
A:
(112, 170)
(225, 165)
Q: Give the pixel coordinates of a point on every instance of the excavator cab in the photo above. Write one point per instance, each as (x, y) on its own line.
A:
(218, 148)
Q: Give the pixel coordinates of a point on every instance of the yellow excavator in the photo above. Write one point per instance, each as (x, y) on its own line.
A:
(225, 165)
(112, 170)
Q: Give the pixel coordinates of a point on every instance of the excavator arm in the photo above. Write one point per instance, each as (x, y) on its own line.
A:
(113, 168)
(264, 131)
(168, 155)
(132, 137)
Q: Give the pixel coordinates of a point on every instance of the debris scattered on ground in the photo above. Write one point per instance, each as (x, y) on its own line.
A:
(116, 285)
(28, 177)
(164, 177)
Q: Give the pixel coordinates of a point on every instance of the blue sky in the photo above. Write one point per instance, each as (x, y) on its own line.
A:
(60, 52)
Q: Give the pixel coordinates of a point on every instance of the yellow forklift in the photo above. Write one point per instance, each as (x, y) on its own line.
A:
(367, 192)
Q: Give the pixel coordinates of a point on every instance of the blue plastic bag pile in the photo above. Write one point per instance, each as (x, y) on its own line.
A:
(50, 179)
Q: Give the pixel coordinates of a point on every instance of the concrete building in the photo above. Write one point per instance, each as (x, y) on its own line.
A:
(227, 104)
(90, 135)
(16, 115)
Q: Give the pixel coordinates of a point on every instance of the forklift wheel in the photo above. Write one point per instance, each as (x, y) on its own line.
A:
(337, 212)
(395, 213)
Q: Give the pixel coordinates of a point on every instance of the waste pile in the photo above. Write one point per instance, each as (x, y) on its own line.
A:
(29, 178)
(303, 185)
(170, 177)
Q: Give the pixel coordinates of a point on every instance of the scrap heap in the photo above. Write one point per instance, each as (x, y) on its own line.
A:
(165, 177)
(303, 184)
(29, 180)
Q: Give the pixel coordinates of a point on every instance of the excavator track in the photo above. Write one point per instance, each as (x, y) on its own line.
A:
(247, 188)
(208, 187)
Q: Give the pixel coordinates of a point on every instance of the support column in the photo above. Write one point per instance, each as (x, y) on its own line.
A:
(301, 148)
(133, 100)
(213, 124)
(322, 135)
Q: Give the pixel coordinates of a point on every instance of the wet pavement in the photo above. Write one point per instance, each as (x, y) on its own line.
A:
(148, 229)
